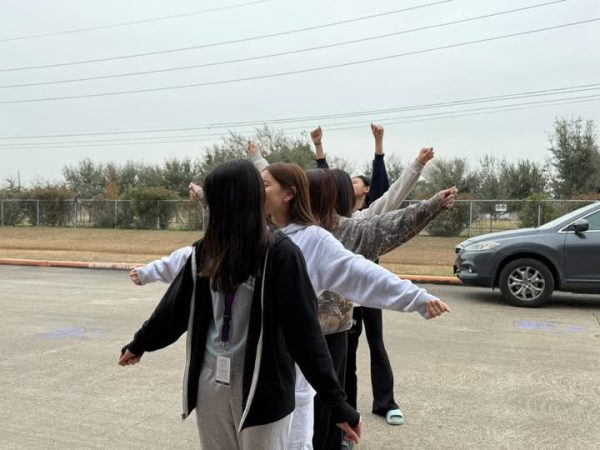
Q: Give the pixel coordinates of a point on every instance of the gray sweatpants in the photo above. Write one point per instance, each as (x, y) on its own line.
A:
(219, 412)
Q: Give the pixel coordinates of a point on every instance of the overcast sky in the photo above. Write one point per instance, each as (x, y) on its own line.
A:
(559, 58)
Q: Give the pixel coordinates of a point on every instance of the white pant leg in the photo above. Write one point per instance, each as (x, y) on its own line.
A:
(272, 436)
(301, 433)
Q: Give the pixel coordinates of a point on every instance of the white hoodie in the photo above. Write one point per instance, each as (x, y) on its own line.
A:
(330, 267)
(164, 269)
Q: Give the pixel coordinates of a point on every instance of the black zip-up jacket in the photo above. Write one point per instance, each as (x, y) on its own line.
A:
(283, 329)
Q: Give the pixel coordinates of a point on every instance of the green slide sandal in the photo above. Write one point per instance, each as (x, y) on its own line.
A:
(394, 417)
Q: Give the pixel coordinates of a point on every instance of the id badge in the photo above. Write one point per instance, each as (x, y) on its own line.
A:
(223, 375)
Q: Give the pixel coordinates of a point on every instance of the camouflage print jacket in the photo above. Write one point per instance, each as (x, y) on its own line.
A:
(371, 237)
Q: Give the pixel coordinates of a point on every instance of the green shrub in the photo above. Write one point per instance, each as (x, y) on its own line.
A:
(453, 221)
(56, 206)
(148, 211)
(537, 211)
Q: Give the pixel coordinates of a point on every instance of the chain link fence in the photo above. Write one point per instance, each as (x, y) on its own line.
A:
(467, 218)
(123, 214)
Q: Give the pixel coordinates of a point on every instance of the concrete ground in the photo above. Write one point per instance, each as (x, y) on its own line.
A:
(489, 376)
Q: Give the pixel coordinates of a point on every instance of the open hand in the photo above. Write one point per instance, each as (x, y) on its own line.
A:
(425, 155)
(436, 308)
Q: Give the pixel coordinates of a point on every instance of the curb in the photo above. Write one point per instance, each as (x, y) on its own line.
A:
(429, 279)
(69, 264)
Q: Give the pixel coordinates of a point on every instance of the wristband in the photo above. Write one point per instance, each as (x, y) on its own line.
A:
(317, 143)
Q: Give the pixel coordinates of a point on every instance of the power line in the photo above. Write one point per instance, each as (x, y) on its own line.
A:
(289, 52)
(459, 115)
(133, 22)
(295, 72)
(234, 41)
(528, 94)
(469, 110)
(330, 127)
(315, 118)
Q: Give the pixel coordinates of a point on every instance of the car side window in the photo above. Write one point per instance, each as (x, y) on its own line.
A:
(594, 220)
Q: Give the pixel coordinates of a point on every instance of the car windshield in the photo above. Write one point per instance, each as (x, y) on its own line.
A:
(566, 217)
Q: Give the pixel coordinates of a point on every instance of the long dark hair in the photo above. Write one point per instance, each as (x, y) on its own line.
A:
(292, 176)
(236, 238)
(323, 194)
(345, 197)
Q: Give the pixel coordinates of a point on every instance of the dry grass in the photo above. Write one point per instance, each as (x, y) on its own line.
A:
(424, 255)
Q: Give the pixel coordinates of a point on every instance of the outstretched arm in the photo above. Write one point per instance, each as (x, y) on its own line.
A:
(164, 269)
(400, 189)
(377, 235)
(337, 269)
(168, 321)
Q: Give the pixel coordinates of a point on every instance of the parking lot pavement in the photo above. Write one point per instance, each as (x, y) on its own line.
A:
(488, 376)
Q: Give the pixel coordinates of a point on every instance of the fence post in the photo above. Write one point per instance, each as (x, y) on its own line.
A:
(37, 202)
(158, 214)
(2, 212)
(470, 216)
(115, 213)
(539, 213)
(75, 203)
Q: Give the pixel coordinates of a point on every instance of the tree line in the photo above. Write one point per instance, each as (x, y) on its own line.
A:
(571, 171)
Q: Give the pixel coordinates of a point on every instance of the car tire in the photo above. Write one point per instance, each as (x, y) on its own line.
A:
(526, 282)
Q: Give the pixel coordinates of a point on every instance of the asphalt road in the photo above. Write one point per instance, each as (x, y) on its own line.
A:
(488, 376)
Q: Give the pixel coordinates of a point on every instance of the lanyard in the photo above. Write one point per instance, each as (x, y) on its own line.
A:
(227, 317)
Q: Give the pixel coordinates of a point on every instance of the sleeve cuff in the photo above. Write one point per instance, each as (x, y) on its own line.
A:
(345, 413)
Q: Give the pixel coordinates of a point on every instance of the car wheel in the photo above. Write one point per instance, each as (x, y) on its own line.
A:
(526, 282)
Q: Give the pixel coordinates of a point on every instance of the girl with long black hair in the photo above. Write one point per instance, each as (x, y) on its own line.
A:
(248, 306)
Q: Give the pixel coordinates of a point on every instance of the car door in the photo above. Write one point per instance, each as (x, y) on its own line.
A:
(582, 255)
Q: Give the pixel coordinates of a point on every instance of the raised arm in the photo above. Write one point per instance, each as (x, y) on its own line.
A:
(400, 189)
(196, 193)
(254, 155)
(380, 182)
(337, 269)
(316, 136)
(377, 235)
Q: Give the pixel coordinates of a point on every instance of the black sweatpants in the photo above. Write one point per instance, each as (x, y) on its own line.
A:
(327, 435)
(382, 377)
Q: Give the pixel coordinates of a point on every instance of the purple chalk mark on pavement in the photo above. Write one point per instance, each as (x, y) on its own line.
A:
(535, 325)
(77, 333)
(549, 326)
(66, 333)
